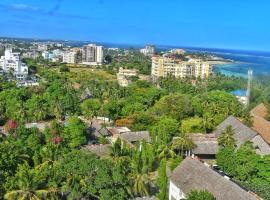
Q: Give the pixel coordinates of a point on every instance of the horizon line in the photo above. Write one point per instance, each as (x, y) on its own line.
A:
(134, 44)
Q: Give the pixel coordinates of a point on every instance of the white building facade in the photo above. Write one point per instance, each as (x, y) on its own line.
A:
(175, 193)
(92, 54)
(149, 50)
(11, 62)
(69, 57)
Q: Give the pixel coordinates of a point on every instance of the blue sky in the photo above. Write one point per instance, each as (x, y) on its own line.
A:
(235, 24)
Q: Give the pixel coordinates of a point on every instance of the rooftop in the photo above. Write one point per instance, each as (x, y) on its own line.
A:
(260, 111)
(100, 150)
(244, 133)
(192, 174)
(205, 144)
(117, 130)
(260, 124)
(132, 137)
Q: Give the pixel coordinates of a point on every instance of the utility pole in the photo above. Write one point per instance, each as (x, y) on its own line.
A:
(250, 73)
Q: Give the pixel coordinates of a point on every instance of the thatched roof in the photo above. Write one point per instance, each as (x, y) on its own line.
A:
(260, 145)
(260, 124)
(192, 174)
(205, 144)
(132, 137)
(242, 132)
(87, 94)
(99, 150)
(118, 130)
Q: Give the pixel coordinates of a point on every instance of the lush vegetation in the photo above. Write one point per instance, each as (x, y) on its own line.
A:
(51, 163)
(247, 167)
(200, 195)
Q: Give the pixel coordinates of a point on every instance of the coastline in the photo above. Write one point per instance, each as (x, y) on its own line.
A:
(220, 62)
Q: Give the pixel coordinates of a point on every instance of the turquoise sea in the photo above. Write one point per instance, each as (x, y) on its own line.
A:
(258, 61)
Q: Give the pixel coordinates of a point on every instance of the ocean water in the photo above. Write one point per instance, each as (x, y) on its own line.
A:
(259, 62)
(241, 93)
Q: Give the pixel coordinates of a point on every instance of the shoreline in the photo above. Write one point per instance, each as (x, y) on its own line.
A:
(220, 62)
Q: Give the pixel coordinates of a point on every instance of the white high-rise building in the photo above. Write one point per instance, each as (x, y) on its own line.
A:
(149, 50)
(99, 54)
(92, 54)
(11, 62)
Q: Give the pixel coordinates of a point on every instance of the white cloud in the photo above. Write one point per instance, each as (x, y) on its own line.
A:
(24, 7)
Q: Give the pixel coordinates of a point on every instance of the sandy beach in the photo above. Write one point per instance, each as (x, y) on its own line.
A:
(219, 62)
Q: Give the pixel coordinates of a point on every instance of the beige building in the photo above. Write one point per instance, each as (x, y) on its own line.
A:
(70, 57)
(124, 74)
(166, 66)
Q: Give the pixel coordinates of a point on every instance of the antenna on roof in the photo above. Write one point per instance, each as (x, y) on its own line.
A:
(250, 73)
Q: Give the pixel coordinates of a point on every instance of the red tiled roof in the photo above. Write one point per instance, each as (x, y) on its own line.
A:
(260, 124)
(260, 110)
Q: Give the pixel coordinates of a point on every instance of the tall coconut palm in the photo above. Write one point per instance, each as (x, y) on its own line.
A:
(28, 186)
(182, 144)
(139, 179)
(226, 139)
(119, 152)
(166, 153)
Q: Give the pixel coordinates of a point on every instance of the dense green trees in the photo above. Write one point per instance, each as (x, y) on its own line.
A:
(75, 133)
(164, 130)
(246, 167)
(90, 108)
(23, 104)
(177, 106)
(200, 195)
(36, 168)
(192, 125)
(215, 106)
(49, 164)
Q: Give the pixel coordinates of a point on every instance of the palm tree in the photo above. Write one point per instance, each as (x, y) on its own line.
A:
(28, 186)
(182, 144)
(139, 178)
(166, 153)
(226, 139)
(119, 152)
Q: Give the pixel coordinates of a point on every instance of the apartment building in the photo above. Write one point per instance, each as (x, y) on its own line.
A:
(70, 57)
(11, 62)
(149, 50)
(92, 54)
(167, 66)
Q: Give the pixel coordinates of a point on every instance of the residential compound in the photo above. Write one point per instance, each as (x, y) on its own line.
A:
(73, 56)
(11, 62)
(92, 54)
(163, 66)
(149, 50)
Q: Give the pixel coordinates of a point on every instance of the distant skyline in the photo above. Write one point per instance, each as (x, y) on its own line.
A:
(230, 24)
